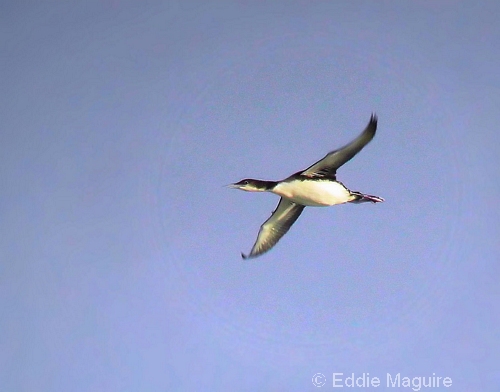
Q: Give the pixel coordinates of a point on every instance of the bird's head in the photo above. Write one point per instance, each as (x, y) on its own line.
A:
(251, 185)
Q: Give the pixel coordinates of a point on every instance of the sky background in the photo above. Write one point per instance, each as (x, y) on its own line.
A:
(121, 122)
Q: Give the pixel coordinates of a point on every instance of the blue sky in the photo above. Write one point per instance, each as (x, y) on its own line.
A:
(122, 121)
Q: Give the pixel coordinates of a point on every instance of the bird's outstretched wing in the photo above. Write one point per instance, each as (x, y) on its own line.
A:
(327, 166)
(271, 231)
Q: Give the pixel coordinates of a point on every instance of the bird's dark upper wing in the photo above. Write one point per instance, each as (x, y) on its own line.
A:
(328, 166)
(271, 231)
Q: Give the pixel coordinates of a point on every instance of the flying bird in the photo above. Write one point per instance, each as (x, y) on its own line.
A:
(316, 186)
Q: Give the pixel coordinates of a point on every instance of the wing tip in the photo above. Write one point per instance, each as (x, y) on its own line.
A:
(374, 119)
(251, 255)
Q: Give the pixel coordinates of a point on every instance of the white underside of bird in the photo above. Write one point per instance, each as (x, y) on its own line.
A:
(313, 193)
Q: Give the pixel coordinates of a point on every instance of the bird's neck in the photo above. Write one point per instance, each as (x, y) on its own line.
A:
(266, 185)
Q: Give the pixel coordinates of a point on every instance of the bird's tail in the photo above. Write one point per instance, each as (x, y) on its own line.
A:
(362, 198)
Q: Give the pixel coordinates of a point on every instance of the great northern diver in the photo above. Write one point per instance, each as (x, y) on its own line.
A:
(315, 186)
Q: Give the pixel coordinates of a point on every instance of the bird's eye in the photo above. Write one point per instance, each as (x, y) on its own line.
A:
(245, 182)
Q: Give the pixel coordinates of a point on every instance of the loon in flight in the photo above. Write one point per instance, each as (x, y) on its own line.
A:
(315, 186)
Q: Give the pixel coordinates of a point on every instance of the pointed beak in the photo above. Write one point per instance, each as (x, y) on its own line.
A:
(233, 186)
